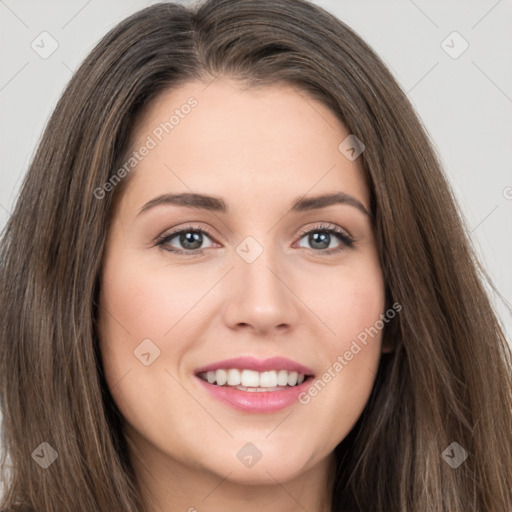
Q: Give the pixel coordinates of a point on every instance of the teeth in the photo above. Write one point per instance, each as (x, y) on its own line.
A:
(250, 380)
(234, 378)
(221, 377)
(282, 378)
(292, 378)
(268, 379)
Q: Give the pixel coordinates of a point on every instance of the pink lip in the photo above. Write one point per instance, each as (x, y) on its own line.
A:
(251, 363)
(255, 401)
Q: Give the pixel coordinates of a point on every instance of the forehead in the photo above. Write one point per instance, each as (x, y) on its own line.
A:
(274, 142)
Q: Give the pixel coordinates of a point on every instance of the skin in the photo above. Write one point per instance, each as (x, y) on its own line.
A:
(259, 150)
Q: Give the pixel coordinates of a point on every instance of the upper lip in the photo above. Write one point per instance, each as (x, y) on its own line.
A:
(259, 365)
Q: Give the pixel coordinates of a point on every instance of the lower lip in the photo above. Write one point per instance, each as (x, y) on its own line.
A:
(256, 401)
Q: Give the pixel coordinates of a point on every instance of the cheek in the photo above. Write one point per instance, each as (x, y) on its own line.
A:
(359, 326)
(134, 314)
(348, 300)
(137, 309)
(353, 305)
(359, 305)
(144, 301)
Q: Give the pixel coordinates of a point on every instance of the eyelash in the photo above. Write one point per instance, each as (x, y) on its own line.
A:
(347, 240)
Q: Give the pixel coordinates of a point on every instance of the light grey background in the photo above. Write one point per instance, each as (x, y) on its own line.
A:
(465, 102)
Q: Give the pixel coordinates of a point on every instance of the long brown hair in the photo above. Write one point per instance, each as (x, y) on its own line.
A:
(448, 378)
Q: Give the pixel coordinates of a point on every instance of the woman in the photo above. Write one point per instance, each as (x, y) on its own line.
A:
(236, 277)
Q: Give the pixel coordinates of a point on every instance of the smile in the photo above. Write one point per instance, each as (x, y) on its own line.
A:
(252, 380)
(252, 385)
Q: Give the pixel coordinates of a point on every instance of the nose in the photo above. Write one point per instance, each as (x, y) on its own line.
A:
(259, 298)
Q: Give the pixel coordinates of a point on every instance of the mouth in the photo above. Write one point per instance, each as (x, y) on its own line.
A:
(256, 386)
(254, 381)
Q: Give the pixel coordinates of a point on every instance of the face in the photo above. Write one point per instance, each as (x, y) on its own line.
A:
(259, 272)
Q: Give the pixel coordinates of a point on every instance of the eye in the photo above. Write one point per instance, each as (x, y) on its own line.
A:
(190, 238)
(322, 236)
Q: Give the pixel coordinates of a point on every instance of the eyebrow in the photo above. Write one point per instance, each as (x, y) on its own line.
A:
(217, 204)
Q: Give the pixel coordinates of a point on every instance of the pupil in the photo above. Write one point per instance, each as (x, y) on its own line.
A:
(191, 237)
(316, 238)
